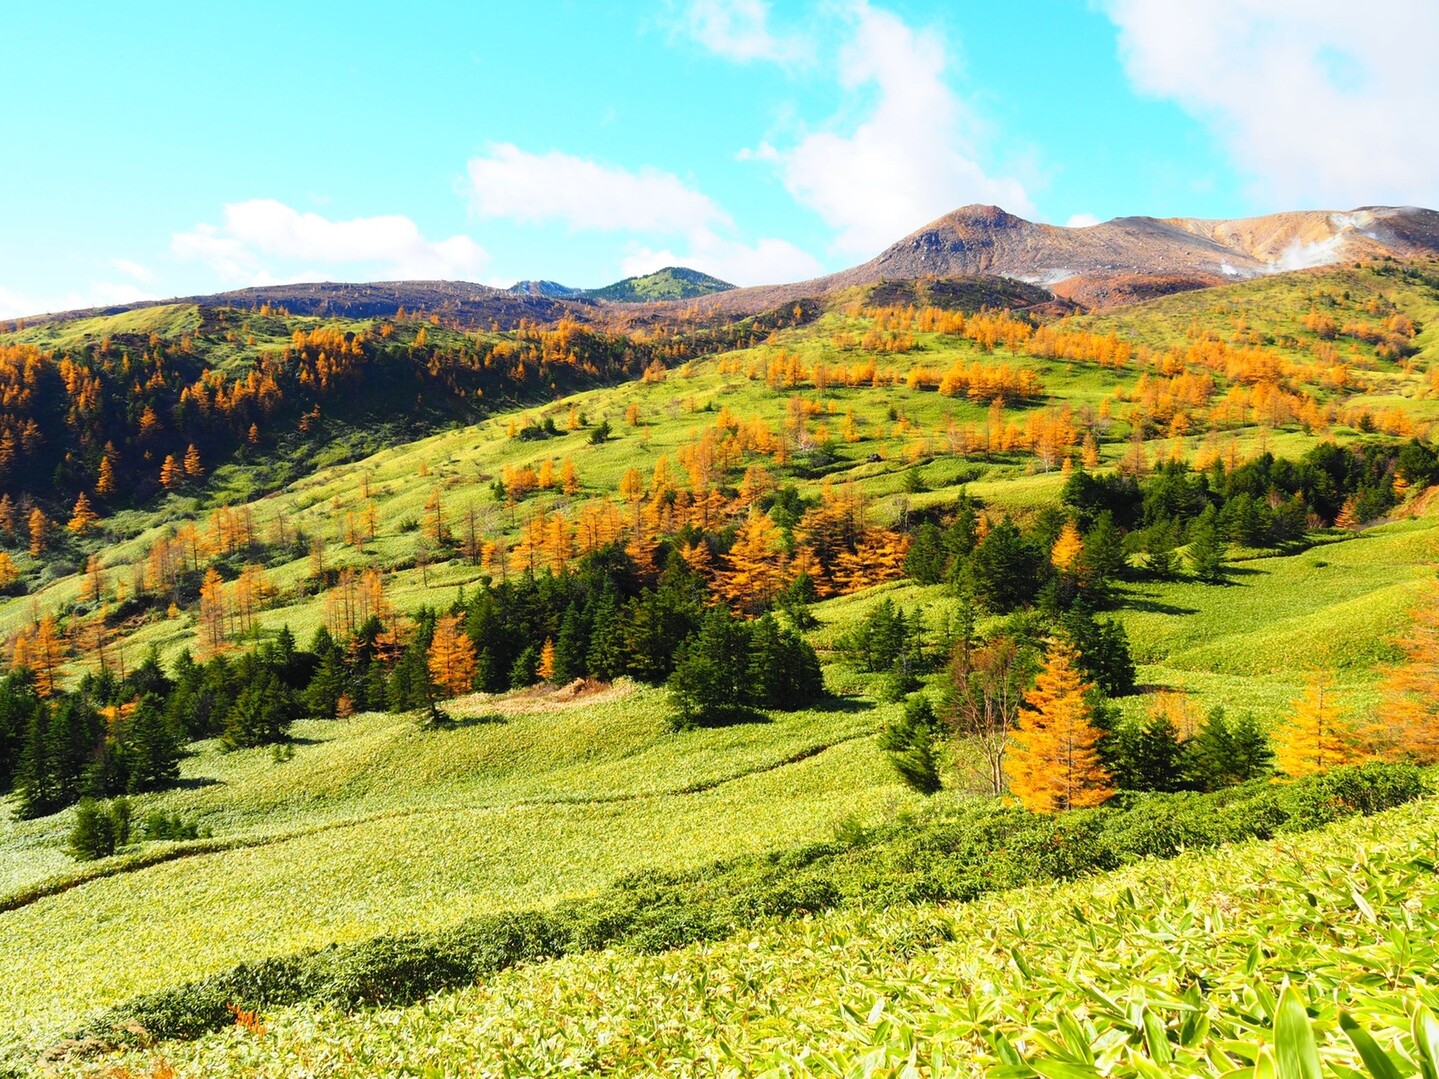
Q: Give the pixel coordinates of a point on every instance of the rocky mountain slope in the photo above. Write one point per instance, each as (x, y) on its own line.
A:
(1126, 259)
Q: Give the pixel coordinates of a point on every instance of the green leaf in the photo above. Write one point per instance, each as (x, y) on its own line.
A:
(1426, 1041)
(1145, 1067)
(1375, 1059)
(1051, 1068)
(1297, 1056)
(1074, 1038)
(1020, 963)
(1156, 1038)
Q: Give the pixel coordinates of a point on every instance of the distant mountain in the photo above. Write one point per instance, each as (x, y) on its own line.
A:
(551, 290)
(671, 283)
(1124, 260)
(460, 302)
(1133, 258)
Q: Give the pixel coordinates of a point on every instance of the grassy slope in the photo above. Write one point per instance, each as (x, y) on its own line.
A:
(924, 988)
(376, 826)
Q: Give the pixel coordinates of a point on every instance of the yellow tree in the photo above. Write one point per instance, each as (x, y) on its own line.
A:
(171, 474)
(452, 657)
(1067, 548)
(569, 477)
(632, 485)
(756, 570)
(1053, 763)
(105, 479)
(8, 573)
(435, 518)
(46, 652)
(1319, 734)
(212, 611)
(94, 579)
(193, 468)
(39, 527)
(1409, 709)
(546, 668)
(82, 517)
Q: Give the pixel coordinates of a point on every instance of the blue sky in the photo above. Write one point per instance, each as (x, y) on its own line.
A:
(161, 149)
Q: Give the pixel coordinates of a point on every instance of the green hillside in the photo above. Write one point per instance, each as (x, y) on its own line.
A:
(604, 495)
(670, 283)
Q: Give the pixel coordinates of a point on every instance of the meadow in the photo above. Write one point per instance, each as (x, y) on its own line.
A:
(1164, 968)
(376, 825)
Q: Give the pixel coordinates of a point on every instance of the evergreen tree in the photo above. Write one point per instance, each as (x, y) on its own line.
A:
(784, 672)
(925, 560)
(525, 670)
(1102, 561)
(409, 685)
(322, 696)
(605, 657)
(1148, 756)
(570, 647)
(92, 835)
(261, 714)
(710, 683)
(1006, 571)
(1207, 547)
(908, 742)
(17, 706)
(151, 752)
(1103, 647)
(1222, 754)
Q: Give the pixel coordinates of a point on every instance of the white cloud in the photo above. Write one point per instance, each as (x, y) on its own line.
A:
(739, 30)
(511, 183)
(657, 207)
(15, 304)
(1081, 221)
(768, 261)
(914, 155)
(258, 233)
(1320, 104)
(133, 269)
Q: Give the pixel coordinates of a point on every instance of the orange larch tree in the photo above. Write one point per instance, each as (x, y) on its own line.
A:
(83, 516)
(452, 657)
(1053, 762)
(212, 611)
(755, 570)
(46, 653)
(171, 474)
(1319, 734)
(1409, 710)
(1067, 548)
(39, 529)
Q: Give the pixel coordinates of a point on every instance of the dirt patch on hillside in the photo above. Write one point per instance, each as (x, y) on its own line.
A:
(582, 691)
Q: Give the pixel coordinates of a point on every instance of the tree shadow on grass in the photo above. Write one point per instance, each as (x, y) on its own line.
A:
(195, 783)
(437, 719)
(1153, 606)
(840, 704)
